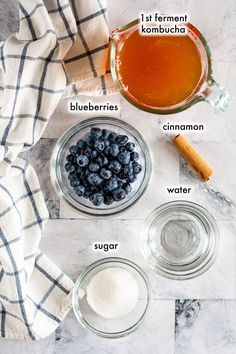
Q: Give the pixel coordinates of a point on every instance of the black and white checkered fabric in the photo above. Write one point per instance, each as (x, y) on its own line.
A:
(61, 49)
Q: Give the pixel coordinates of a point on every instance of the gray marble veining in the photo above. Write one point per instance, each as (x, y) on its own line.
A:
(213, 330)
(219, 194)
(8, 18)
(186, 312)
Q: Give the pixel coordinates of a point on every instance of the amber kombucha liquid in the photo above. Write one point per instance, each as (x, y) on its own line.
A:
(159, 71)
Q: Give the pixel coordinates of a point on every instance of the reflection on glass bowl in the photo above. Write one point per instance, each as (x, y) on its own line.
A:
(116, 327)
(79, 131)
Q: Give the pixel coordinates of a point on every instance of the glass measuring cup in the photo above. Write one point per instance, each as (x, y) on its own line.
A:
(207, 89)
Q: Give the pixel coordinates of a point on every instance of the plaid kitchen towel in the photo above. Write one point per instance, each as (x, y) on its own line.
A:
(61, 49)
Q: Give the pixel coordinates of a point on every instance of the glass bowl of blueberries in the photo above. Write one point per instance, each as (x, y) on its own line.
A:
(101, 166)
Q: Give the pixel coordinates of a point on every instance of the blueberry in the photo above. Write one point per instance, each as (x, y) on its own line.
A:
(81, 144)
(111, 184)
(114, 151)
(70, 158)
(90, 140)
(128, 170)
(96, 132)
(137, 167)
(108, 199)
(127, 187)
(73, 150)
(86, 172)
(124, 158)
(120, 184)
(85, 182)
(94, 179)
(112, 137)
(94, 189)
(80, 190)
(93, 154)
(74, 183)
(97, 199)
(94, 167)
(119, 194)
(82, 160)
(115, 166)
(106, 174)
(79, 172)
(121, 175)
(69, 167)
(105, 134)
(106, 143)
(122, 139)
(99, 145)
(130, 146)
(122, 149)
(134, 156)
(72, 176)
(102, 160)
(107, 151)
(88, 152)
(87, 193)
(131, 178)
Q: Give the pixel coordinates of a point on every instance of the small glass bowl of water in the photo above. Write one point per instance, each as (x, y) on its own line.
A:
(180, 240)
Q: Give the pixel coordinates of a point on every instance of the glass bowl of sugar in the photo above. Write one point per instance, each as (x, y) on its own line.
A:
(112, 297)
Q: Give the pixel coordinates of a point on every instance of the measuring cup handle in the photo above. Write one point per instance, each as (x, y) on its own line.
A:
(217, 96)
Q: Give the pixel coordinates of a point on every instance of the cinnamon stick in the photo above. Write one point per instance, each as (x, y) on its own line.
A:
(192, 157)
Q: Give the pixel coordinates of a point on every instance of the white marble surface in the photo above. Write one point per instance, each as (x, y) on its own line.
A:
(76, 237)
(203, 326)
(206, 332)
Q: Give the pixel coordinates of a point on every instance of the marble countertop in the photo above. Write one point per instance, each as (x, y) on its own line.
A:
(188, 317)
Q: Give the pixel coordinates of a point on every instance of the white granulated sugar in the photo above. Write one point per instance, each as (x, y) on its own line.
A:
(112, 293)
